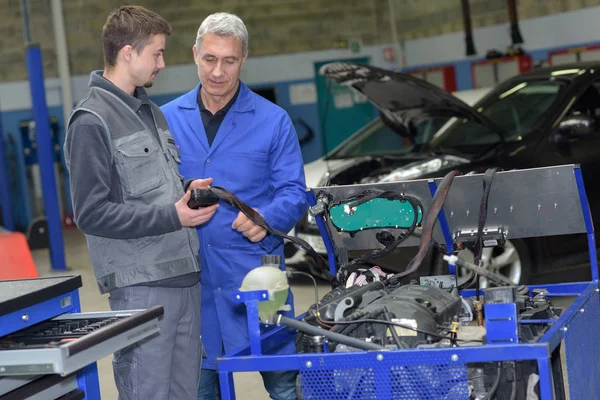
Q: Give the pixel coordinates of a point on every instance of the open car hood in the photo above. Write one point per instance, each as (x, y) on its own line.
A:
(404, 100)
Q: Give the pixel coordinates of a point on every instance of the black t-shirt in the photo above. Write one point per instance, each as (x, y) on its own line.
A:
(213, 122)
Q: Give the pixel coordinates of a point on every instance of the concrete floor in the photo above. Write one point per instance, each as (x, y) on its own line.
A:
(247, 385)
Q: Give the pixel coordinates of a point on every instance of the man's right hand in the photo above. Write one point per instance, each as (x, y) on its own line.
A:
(189, 217)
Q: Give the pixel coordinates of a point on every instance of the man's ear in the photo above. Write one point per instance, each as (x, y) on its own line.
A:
(127, 53)
(195, 52)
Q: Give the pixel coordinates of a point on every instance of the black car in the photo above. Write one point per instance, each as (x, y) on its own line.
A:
(549, 116)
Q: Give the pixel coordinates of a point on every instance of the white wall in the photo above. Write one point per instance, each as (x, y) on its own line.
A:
(558, 30)
(181, 78)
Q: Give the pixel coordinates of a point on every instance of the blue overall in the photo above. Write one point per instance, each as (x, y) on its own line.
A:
(255, 155)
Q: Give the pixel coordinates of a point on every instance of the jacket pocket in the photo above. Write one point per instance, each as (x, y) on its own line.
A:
(251, 169)
(139, 159)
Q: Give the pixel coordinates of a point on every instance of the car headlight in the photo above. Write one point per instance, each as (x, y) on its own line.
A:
(417, 169)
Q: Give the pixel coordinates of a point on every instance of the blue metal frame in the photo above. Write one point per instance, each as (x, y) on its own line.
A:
(502, 320)
(501, 323)
(88, 381)
(251, 298)
(589, 224)
(46, 156)
(7, 218)
(312, 201)
(444, 226)
(28, 316)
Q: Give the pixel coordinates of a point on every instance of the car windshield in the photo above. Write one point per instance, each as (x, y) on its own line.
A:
(377, 138)
(515, 110)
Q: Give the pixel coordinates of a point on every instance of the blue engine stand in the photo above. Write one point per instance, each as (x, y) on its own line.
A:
(399, 374)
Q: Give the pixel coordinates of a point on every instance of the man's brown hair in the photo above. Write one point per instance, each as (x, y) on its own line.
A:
(130, 25)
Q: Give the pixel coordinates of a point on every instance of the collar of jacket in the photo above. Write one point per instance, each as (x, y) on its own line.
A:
(134, 102)
(243, 103)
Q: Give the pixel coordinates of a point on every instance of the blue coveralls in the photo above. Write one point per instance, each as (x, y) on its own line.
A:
(255, 155)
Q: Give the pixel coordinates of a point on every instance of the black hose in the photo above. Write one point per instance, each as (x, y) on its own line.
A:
(313, 330)
(496, 384)
(513, 391)
(386, 314)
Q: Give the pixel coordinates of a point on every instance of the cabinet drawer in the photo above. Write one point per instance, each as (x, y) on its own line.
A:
(46, 388)
(69, 342)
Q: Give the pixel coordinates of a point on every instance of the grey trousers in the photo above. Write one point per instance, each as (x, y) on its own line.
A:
(165, 366)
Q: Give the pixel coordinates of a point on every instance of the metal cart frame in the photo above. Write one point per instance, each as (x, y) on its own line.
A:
(525, 203)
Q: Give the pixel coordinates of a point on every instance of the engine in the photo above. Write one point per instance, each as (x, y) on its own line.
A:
(422, 309)
(423, 315)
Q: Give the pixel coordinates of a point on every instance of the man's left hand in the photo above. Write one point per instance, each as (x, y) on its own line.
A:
(248, 228)
(200, 184)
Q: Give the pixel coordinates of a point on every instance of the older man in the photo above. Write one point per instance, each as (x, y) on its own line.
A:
(249, 146)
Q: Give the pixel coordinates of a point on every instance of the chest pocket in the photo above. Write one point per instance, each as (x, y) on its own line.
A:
(140, 165)
(250, 170)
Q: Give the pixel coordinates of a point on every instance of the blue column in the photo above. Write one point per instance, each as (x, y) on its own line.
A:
(45, 155)
(7, 218)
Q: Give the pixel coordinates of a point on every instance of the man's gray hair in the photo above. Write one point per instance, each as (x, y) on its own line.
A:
(224, 24)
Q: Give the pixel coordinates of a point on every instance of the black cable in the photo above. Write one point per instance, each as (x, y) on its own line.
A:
(369, 195)
(256, 218)
(317, 313)
(490, 275)
(381, 321)
(313, 330)
(494, 387)
(437, 203)
(386, 314)
(513, 390)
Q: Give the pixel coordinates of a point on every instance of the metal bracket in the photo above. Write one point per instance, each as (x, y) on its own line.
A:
(251, 298)
(501, 323)
(491, 237)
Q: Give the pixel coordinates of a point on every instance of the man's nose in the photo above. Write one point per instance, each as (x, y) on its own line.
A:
(218, 71)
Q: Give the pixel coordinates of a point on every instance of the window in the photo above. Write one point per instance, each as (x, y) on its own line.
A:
(589, 103)
(515, 110)
(377, 138)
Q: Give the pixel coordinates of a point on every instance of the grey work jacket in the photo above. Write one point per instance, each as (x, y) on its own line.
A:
(145, 172)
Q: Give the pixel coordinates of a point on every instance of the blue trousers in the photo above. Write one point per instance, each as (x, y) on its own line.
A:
(281, 385)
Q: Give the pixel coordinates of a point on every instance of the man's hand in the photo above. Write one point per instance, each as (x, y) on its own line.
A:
(248, 228)
(200, 184)
(189, 217)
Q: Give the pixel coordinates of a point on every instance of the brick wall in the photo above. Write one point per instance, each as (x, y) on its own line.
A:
(276, 26)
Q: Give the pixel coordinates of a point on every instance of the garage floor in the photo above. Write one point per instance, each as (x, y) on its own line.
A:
(247, 385)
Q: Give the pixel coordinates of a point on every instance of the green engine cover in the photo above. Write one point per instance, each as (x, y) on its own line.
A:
(375, 213)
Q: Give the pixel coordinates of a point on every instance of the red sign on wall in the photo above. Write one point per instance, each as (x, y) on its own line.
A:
(388, 54)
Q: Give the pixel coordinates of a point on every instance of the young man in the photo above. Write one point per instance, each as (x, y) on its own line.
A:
(249, 146)
(129, 200)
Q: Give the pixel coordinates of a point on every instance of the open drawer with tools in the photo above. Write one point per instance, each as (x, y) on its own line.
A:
(49, 349)
(69, 342)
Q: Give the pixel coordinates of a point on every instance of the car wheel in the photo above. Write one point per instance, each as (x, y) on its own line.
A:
(511, 261)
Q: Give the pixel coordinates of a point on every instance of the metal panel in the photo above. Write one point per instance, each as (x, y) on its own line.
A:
(10, 383)
(563, 58)
(590, 55)
(365, 240)
(485, 75)
(507, 69)
(45, 388)
(501, 323)
(436, 77)
(525, 203)
(582, 344)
